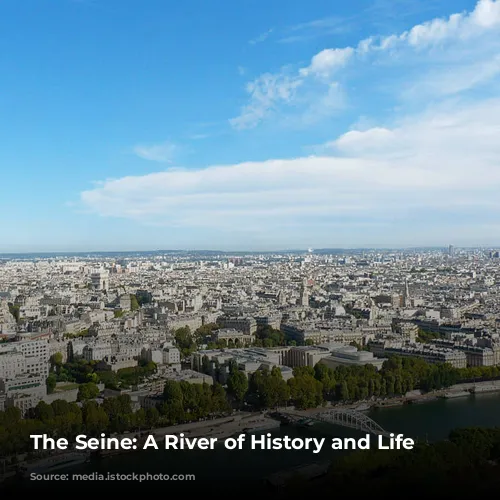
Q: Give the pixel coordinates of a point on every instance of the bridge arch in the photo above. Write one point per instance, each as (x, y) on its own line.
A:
(345, 418)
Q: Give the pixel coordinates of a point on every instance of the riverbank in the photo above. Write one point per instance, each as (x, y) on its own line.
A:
(245, 422)
(431, 421)
(415, 397)
(242, 470)
(221, 428)
(453, 392)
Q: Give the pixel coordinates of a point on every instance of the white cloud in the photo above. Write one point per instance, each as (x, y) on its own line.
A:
(324, 23)
(453, 78)
(446, 160)
(156, 152)
(360, 141)
(330, 100)
(265, 93)
(327, 61)
(487, 13)
(437, 170)
(316, 28)
(262, 37)
(464, 45)
(485, 16)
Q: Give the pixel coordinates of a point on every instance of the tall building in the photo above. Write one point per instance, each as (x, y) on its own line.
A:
(451, 250)
(304, 295)
(406, 295)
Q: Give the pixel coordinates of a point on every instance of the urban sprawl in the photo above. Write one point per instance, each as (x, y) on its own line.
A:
(152, 332)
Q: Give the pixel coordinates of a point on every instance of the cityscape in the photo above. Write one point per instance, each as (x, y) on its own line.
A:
(250, 248)
(165, 340)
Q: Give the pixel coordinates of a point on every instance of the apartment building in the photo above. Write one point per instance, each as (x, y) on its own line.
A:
(247, 325)
(428, 352)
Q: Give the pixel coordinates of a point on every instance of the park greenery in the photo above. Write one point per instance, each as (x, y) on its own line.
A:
(81, 371)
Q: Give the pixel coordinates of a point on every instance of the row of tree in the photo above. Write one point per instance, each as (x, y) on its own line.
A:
(185, 402)
(114, 415)
(181, 402)
(64, 419)
(311, 387)
(345, 383)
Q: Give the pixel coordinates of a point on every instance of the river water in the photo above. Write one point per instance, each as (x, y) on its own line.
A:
(431, 421)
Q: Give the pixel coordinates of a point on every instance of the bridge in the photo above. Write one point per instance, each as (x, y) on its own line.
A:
(345, 418)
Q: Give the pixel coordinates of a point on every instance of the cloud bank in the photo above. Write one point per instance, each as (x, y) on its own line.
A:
(438, 159)
(437, 165)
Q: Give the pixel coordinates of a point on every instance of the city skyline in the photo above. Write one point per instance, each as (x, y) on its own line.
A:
(257, 128)
(200, 252)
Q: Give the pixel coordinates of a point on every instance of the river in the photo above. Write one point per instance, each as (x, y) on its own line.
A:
(433, 421)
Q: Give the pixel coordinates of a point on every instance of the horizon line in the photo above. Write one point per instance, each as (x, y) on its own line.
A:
(289, 250)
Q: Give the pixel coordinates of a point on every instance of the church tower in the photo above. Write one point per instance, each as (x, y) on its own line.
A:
(304, 294)
(406, 295)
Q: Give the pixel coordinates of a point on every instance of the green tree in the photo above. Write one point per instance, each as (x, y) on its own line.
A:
(268, 388)
(43, 412)
(184, 341)
(305, 390)
(14, 310)
(200, 334)
(205, 365)
(134, 304)
(220, 404)
(95, 418)
(87, 391)
(173, 412)
(237, 385)
(119, 411)
(51, 383)
(267, 336)
(152, 417)
(140, 418)
(172, 392)
(61, 407)
(56, 360)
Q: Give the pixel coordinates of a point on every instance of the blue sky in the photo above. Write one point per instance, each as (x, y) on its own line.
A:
(131, 125)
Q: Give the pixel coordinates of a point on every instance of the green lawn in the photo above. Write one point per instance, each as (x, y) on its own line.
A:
(67, 387)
